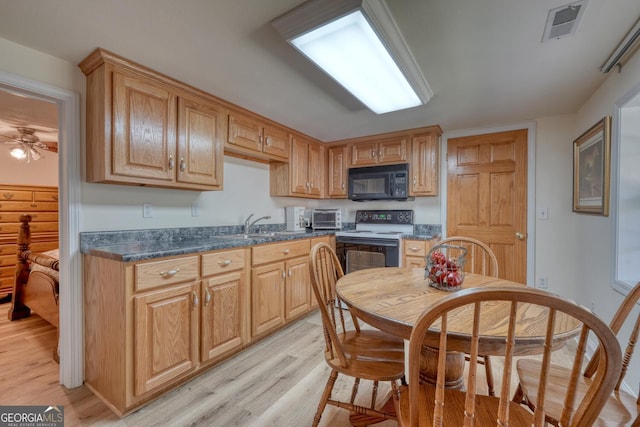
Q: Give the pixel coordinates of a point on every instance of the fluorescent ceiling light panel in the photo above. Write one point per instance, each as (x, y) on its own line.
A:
(349, 49)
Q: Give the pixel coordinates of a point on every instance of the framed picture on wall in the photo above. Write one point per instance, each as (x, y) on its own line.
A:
(591, 169)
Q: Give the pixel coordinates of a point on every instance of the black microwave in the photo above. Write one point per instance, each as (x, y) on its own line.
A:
(387, 182)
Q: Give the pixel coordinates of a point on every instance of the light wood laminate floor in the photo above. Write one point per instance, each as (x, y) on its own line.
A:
(275, 382)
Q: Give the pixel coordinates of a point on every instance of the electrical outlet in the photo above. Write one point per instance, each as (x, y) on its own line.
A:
(147, 210)
(195, 209)
(542, 213)
(542, 283)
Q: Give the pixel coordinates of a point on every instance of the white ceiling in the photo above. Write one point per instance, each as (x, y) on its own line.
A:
(483, 59)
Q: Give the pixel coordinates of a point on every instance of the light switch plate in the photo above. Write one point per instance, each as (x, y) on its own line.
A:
(195, 209)
(542, 213)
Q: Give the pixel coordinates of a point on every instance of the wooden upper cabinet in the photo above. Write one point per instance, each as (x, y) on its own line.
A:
(303, 175)
(144, 131)
(337, 172)
(201, 128)
(424, 164)
(144, 128)
(254, 137)
(379, 152)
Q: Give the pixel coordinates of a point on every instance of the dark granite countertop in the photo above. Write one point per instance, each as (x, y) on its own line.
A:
(143, 250)
(139, 245)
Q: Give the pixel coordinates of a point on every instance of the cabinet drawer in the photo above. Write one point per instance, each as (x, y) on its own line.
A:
(8, 249)
(44, 246)
(45, 196)
(6, 285)
(8, 260)
(415, 248)
(35, 216)
(43, 226)
(279, 251)
(28, 206)
(222, 262)
(16, 195)
(9, 271)
(10, 228)
(167, 272)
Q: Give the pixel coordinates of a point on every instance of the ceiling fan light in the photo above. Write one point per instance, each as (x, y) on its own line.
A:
(18, 153)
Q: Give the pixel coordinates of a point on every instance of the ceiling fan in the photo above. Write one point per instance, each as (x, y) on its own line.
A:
(26, 145)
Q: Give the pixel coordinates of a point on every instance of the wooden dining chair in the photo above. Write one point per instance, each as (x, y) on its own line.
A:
(620, 409)
(480, 259)
(358, 353)
(428, 405)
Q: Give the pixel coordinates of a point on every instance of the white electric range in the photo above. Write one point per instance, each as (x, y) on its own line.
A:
(375, 242)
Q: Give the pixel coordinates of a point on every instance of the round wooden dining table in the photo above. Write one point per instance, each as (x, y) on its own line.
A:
(392, 299)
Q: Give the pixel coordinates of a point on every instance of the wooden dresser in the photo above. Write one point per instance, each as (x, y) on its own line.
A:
(39, 202)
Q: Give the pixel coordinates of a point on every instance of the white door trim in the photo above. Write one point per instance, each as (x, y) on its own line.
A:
(69, 179)
(531, 182)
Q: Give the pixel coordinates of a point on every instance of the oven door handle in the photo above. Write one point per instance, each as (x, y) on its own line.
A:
(368, 241)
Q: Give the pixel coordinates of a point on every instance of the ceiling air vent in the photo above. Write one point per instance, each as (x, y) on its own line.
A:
(563, 21)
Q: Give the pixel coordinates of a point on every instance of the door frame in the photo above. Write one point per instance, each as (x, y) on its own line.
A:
(531, 183)
(71, 341)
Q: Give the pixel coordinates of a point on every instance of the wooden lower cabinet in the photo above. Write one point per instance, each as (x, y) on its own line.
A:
(415, 252)
(297, 288)
(151, 325)
(166, 331)
(280, 284)
(267, 298)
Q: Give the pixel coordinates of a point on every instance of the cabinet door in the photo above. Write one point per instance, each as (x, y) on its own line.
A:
(144, 129)
(222, 315)
(424, 165)
(166, 332)
(299, 166)
(244, 131)
(276, 141)
(337, 172)
(267, 298)
(297, 287)
(392, 151)
(201, 130)
(363, 154)
(316, 170)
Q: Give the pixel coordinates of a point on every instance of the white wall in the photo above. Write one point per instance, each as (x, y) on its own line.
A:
(594, 266)
(556, 240)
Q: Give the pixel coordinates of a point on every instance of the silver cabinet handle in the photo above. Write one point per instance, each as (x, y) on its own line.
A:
(519, 236)
(343, 185)
(170, 273)
(207, 297)
(172, 163)
(283, 274)
(414, 249)
(183, 166)
(380, 153)
(289, 272)
(196, 300)
(225, 262)
(286, 251)
(268, 140)
(415, 180)
(373, 153)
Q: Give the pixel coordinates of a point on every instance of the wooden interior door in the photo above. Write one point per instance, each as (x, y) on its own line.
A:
(487, 196)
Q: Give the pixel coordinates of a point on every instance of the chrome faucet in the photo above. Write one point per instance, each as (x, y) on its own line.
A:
(247, 225)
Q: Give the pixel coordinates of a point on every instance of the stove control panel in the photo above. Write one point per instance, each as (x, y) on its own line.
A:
(384, 217)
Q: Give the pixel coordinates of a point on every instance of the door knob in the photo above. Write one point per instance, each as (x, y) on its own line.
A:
(519, 236)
